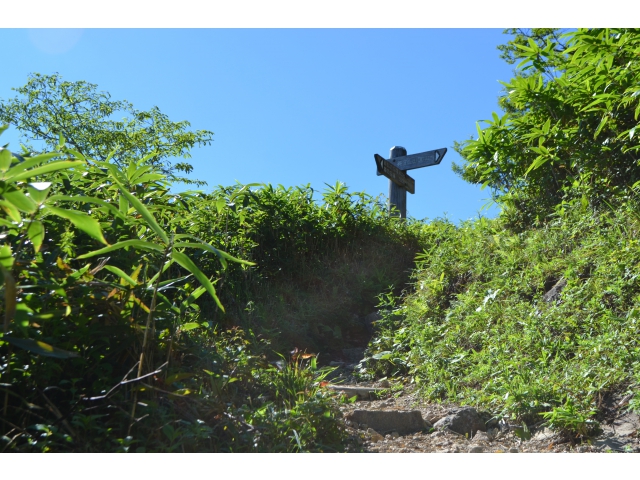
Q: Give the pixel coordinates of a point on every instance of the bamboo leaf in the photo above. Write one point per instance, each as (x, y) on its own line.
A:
(140, 244)
(11, 210)
(40, 348)
(35, 231)
(203, 246)
(6, 256)
(186, 263)
(10, 291)
(19, 200)
(81, 221)
(536, 163)
(48, 168)
(142, 210)
(189, 326)
(38, 191)
(86, 199)
(152, 280)
(121, 274)
(5, 160)
(600, 126)
(176, 377)
(31, 162)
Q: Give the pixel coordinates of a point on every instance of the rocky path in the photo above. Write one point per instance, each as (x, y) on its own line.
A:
(394, 419)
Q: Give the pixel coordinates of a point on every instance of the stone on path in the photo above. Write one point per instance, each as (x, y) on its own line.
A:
(390, 421)
(476, 449)
(353, 355)
(363, 393)
(375, 436)
(464, 421)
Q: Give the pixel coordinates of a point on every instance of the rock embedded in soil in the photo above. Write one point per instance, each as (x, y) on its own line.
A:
(464, 421)
(353, 355)
(375, 436)
(390, 421)
(363, 393)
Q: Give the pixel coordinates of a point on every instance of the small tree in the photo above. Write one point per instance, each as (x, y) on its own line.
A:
(568, 133)
(49, 107)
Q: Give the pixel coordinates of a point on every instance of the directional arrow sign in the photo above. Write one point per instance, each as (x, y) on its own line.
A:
(418, 160)
(393, 173)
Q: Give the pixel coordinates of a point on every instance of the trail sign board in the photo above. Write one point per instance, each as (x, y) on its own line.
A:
(393, 173)
(418, 160)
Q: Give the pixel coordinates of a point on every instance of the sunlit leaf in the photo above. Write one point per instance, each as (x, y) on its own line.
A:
(121, 274)
(189, 326)
(48, 168)
(30, 162)
(382, 355)
(87, 199)
(19, 200)
(6, 256)
(176, 377)
(188, 264)
(223, 256)
(38, 191)
(5, 160)
(142, 210)
(140, 244)
(40, 348)
(80, 220)
(11, 211)
(35, 231)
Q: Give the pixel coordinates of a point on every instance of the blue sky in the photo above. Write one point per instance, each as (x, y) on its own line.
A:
(293, 106)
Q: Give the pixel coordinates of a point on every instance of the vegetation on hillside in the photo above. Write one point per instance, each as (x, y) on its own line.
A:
(534, 315)
(568, 133)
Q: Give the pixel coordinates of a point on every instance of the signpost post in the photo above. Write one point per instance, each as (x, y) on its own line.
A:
(399, 182)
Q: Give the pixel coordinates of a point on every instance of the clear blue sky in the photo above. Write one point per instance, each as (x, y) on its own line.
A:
(293, 106)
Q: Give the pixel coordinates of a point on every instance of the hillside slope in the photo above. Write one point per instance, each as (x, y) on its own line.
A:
(535, 325)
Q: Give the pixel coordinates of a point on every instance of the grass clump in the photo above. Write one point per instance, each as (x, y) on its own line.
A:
(536, 325)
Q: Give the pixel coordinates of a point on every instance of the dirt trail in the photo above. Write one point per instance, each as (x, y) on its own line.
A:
(620, 432)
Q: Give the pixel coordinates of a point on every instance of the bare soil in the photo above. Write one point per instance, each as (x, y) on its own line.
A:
(620, 432)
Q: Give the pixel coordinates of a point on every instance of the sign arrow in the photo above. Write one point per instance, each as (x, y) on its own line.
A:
(418, 160)
(393, 173)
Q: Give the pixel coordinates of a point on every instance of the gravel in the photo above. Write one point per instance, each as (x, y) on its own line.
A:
(494, 440)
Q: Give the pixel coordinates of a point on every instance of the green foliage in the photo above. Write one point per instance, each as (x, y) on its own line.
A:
(319, 263)
(569, 418)
(50, 107)
(568, 132)
(114, 334)
(71, 328)
(512, 51)
(479, 329)
(108, 340)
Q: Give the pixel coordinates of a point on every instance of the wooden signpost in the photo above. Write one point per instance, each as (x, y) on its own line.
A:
(394, 174)
(399, 182)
